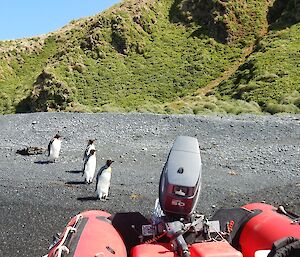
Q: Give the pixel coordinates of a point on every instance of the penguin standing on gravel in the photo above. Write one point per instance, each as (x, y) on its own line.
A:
(90, 146)
(54, 147)
(90, 167)
(103, 180)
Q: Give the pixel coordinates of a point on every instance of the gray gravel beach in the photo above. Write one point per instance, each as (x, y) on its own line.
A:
(245, 159)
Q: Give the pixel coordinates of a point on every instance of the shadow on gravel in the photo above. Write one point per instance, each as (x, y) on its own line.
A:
(74, 171)
(75, 183)
(88, 198)
(43, 162)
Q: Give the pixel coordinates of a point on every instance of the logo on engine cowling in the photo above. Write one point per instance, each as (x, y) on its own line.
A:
(178, 203)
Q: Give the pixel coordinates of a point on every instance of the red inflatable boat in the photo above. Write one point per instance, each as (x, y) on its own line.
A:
(269, 226)
(254, 233)
(175, 229)
(89, 234)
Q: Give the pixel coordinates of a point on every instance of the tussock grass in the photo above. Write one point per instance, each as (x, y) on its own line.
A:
(271, 75)
(153, 56)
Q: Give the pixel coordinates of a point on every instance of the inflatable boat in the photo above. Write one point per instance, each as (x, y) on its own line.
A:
(175, 229)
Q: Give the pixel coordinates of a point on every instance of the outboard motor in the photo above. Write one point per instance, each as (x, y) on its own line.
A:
(180, 181)
(179, 189)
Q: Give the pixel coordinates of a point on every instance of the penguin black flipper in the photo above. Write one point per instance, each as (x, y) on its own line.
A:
(85, 155)
(49, 145)
(97, 178)
(98, 175)
(85, 161)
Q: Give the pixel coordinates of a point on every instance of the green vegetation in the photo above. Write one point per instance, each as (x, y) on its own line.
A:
(270, 76)
(165, 56)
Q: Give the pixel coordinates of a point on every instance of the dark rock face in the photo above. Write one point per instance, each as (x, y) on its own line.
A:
(245, 159)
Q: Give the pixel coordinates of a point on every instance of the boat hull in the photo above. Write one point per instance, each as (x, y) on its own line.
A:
(89, 234)
(261, 231)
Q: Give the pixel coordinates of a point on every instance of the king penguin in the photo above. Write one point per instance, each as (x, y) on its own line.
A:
(89, 147)
(90, 167)
(103, 180)
(54, 147)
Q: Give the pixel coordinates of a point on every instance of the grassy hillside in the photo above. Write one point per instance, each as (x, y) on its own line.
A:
(270, 76)
(167, 56)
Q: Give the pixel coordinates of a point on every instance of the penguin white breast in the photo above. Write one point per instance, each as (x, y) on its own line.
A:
(104, 179)
(55, 148)
(90, 165)
(106, 175)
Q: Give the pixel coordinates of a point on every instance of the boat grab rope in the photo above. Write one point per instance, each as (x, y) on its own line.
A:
(70, 229)
(219, 235)
(78, 217)
(62, 249)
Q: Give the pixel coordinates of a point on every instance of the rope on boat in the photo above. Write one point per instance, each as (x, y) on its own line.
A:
(78, 217)
(62, 249)
(70, 229)
(219, 234)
